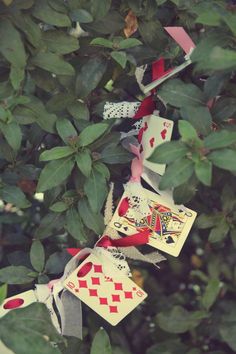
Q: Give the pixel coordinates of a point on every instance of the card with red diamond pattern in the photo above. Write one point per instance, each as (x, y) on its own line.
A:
(112, 298)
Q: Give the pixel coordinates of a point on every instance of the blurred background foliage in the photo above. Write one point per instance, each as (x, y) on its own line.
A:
(57, 157)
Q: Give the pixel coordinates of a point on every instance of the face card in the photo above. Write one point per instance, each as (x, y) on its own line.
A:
(169, 224)
(18, 301)
(112, 298)
(155, 131)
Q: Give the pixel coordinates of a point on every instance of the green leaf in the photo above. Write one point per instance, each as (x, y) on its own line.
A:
(219, 232)
(45, 13)
(54, 173)
(220, 139)
(16, 76)
(74, 225)
(225, 159)
(12, 134)
(90, 76)
(199, 117)
(177, 173)
(110, 23)
(78, 110)
(211, 293)
(15, 196)
(16, 275)
(206, 221)
(210, 18)
(3, 293)
(56, 153)
(102, 169)
(223, 109)
(185, 191)
(203, 170)
(152, 33)
(84, 162)
(179, 94)
(31, 29)
(215, 84)
(95, 188)
(129, 43)
(11, 46)
(81, 15)
(101, 343)
(60, 42)
(113, 154)
(37, 256)
(102, 42)
(93, 221)
(56, 262)
(30, 327)
(91, 133)
(65, 129)
(227, 332)
(100, 9)
(221, 59)
(168, 152)
(59, 207)
(179, 320)
(120, 58)
(53, 63)
(187, 131)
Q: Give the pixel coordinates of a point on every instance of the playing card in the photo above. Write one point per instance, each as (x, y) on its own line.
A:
(169, 224)
(111, 297)
(155, 131)
(18, 301)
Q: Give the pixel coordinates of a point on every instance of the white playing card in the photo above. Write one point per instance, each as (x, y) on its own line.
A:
(18, 301)
(155, 131)
(112, 298)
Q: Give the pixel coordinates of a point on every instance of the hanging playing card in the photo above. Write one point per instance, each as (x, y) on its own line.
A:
(154, 131)
(169, 225)
(111, 297)
(18, 301)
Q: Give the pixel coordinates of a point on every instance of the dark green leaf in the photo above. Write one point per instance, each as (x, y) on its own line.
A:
(56, 262)
(59, 207)
(186, 191)
(211, 293)
(44, 12)
(60, 42)
(66, 129)
(100, 9)
(152, 33)
(214, 84)
(168, 152)
(177, 173)
(17, 76)
(16, 275)
(179, 94)
(11, 46)
(74, 225)
(84, 162)
(220, 139)
(120, 58)
(102, 42)
(91, 133)
(129, 43)
(37, 256)
(56, 153)
(52, 63)
(12, 134)
(93, 221)
(224, 108)
(95, 188)
(227, 332)
(81, 16)
(102, 168)
(3, 293)
(78, 110)
(219, 232)
(90, 76)
(199, 117)
(113, 154)
(29, 327)
(101, 343)
(203, 170)
(15, 196)
(110, 23)
(29, 27)
(225, 159)
(206, 221)
(179, 320)
(54, 173)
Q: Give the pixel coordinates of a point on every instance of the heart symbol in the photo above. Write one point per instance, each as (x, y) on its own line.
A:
(151, 142)
(163, 134)
(145, 126)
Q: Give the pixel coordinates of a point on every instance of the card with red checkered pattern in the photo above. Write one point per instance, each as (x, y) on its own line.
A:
(112, 298)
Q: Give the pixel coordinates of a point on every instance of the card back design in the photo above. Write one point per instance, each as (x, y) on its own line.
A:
(112, 298)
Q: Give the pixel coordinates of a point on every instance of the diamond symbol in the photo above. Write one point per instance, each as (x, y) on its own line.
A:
(118, 286)
(103, 301)
(128, 295)
(134, 289)
(93, 292)
(76, 290)
(116, 298)
(83, 284)
(97, 268)
(113, 309)
(95, 281)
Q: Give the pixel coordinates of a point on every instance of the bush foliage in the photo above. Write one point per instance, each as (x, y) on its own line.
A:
(57, 157)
